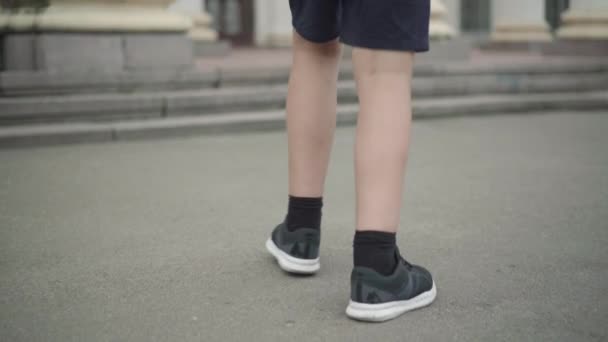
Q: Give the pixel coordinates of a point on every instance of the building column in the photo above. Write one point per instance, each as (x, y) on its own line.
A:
(201, 30)
(439, 27)
(519, 21)
(586, 19)
(204, 38)
(273, 23)
(453, 15)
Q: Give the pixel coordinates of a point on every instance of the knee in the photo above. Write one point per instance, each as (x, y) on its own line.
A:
(330, 50)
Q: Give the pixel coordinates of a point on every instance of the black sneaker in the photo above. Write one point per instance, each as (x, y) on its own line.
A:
(376, 297)
(297, 251)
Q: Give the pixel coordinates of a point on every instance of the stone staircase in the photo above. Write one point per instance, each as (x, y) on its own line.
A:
(44, 109)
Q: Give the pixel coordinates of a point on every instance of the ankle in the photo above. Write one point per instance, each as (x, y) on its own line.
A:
(304, 212)
(375, 250)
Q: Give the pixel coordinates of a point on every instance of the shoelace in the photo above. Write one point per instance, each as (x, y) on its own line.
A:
(402, 259)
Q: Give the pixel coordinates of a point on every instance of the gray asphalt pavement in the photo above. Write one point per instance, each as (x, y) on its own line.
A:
(164, 240)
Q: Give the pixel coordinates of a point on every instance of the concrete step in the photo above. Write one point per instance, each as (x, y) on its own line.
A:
(45, 83)
(61, 133)
(103, 107)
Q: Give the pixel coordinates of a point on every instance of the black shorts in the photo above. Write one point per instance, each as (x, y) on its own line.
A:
(401, 25)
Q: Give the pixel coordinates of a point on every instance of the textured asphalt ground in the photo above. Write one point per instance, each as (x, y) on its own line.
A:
(163, 240)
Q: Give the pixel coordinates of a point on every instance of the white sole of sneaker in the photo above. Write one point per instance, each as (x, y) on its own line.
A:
(291, 264)
(386, 311)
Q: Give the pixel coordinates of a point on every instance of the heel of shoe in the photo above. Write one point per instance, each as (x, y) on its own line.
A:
(292, 264)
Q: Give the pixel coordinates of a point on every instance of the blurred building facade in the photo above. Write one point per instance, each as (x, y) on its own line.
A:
(125, 34)
(267, 22)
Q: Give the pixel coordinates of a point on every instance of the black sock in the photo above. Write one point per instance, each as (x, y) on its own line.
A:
(375, 250)
(304, 212)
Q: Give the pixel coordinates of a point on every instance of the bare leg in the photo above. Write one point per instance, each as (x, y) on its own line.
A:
(311, 114)
(384, 87)
(382, 135)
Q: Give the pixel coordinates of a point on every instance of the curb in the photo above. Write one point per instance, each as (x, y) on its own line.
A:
(48, 109)
(20, 83)
(54, 134)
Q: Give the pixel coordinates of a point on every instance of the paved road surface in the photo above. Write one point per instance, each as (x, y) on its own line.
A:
(163, 240)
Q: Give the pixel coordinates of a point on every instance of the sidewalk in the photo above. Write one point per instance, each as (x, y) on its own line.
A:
(164, 240)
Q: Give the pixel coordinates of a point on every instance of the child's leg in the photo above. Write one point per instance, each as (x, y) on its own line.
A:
(383, 284)
(311, 114)
(384, 86)
(311, 120)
